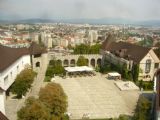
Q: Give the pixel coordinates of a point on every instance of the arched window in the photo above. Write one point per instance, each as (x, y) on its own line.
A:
(66, 63)
(72, 62)
(93, 63)
(59, 62)
(99, 62)
(148, 65)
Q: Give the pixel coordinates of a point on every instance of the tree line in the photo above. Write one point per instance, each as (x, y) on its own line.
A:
(54, 68)
(23, 82)
(87, 49)
(50, 105)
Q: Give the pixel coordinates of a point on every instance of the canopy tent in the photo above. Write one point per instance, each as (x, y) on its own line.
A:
(114, 75)
(78, 69)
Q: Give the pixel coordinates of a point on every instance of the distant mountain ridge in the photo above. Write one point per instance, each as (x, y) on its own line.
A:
(116, 21)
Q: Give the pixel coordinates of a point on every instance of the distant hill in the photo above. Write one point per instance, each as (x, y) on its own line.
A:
(116, 21)
(149, 23)
(36, 21)
(29, 21)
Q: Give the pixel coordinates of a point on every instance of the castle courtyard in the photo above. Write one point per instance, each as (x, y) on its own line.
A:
(97, 97)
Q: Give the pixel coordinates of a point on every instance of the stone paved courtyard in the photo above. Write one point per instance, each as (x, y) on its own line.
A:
(97, 96)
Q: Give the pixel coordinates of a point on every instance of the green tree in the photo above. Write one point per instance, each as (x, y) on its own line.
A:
(157, 51)
(143, 109)
(126, 74)
(58, 69)
(49, 71)
(23, 82)
(135, 72)
(130, 77)
(124, 117)
(95, 49)
(141, 84)
(82, 61)
(55, 67)
(81, 49)
(52, 63)
(106, 67)
(53, 96)
(97, 69)
(20, 87)
(27, 74)
(87, 49)
(34, 110)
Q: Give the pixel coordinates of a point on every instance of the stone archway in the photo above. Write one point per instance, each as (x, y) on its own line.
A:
(65, 63)
(59, 62)
(37, 64)
(99, 61)
(72, 63)
(93, 62)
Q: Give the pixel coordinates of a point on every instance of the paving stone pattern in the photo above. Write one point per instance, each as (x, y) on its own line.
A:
(97, 96)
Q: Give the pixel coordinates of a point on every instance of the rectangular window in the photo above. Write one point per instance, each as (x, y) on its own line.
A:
(156, 65)
(148, 66)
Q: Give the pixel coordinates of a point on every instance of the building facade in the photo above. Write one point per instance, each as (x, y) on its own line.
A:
(13, 61)
(129, 54)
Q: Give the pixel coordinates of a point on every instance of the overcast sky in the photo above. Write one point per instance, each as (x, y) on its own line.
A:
(60, 9)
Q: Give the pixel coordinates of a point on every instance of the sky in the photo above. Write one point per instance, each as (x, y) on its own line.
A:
(76, 9)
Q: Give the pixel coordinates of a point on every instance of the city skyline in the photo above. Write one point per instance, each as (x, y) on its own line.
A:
(78, 9)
